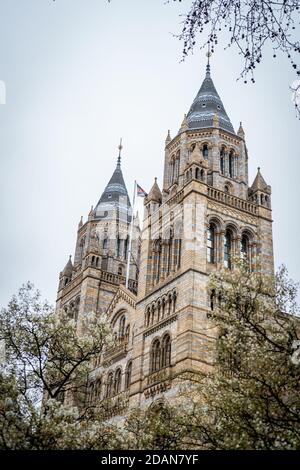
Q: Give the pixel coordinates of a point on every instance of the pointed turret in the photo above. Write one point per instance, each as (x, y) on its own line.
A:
(168, 138)
(241, 132)
(184, 125)
(80, 222)
(68, 269)
(115, 196)
(155, 193)
(206, 106)
(259, 183)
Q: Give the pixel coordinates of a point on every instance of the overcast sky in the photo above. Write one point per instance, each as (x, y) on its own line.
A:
(81, 73)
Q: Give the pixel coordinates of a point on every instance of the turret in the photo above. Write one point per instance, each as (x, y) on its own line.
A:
(260, 191)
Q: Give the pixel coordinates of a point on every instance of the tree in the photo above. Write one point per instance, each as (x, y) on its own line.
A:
(250, 400)
(251, 25)
(43, 376)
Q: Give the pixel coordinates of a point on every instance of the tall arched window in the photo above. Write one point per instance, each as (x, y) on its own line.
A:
(166, 351)
(227, 249)
(245, 247)
(126, 247)
(231, 164)
(122, 326)
(120, 270)
(105, 242)
(169, 253)
(98, 388)
(222, 161)
(155, 356)
(205, 151)
(128, 373)
(212, 299)
(118, 243)
(109, 385)
(117, 381)
(211, 244)
(157, 259)
(127, 332)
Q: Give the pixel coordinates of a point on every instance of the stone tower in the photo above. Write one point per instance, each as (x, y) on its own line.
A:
(204, 217)
(101, 253)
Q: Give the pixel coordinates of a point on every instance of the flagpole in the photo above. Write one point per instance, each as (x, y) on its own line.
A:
(130, 238)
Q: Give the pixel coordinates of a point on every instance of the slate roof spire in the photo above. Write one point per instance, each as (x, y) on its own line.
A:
(115, 196)
(206, 105)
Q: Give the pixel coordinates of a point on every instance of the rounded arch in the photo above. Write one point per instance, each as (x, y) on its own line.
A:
(109, 384)
(233, 228)
(155, 355)
(166, 346)
(116, 317)
(128, 373)
(117, 380)
(216, 221)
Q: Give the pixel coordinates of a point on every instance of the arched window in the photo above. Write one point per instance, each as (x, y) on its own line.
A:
(104, 243)
(205, 151)
(128, 375)
(212, 299)
(118, 246)
(158, 310)
(125, 248)
(222, 161)
(157, 258)
(163, 303)
(117, 381)
(122, 326)
(98, 388)
(227, 249)
(166, 351)
(231, 164)
(197, 174)
(155, 356)
(148, 316)
(226, 189)
(127, 331)
(109, 385)
(211, 244)
(174, 301)
(120, 270)
(245, 247)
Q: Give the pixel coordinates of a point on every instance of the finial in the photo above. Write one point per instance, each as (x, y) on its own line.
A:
(80, 222)
(168, 138)
(155, 179)
(120, 149)
(208, 55)
(258, 168)
(185, 124)
(70, 258)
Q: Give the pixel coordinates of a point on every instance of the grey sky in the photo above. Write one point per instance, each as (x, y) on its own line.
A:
(81, 73)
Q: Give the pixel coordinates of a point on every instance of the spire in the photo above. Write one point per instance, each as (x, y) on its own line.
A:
(168, 138)
(119, 157)
(155, 193)
(259, 183)
(184, 124)
(241, 132)
(80, 222)
(208, 54)
(115, 196)
(206, 105)
(68, 269)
